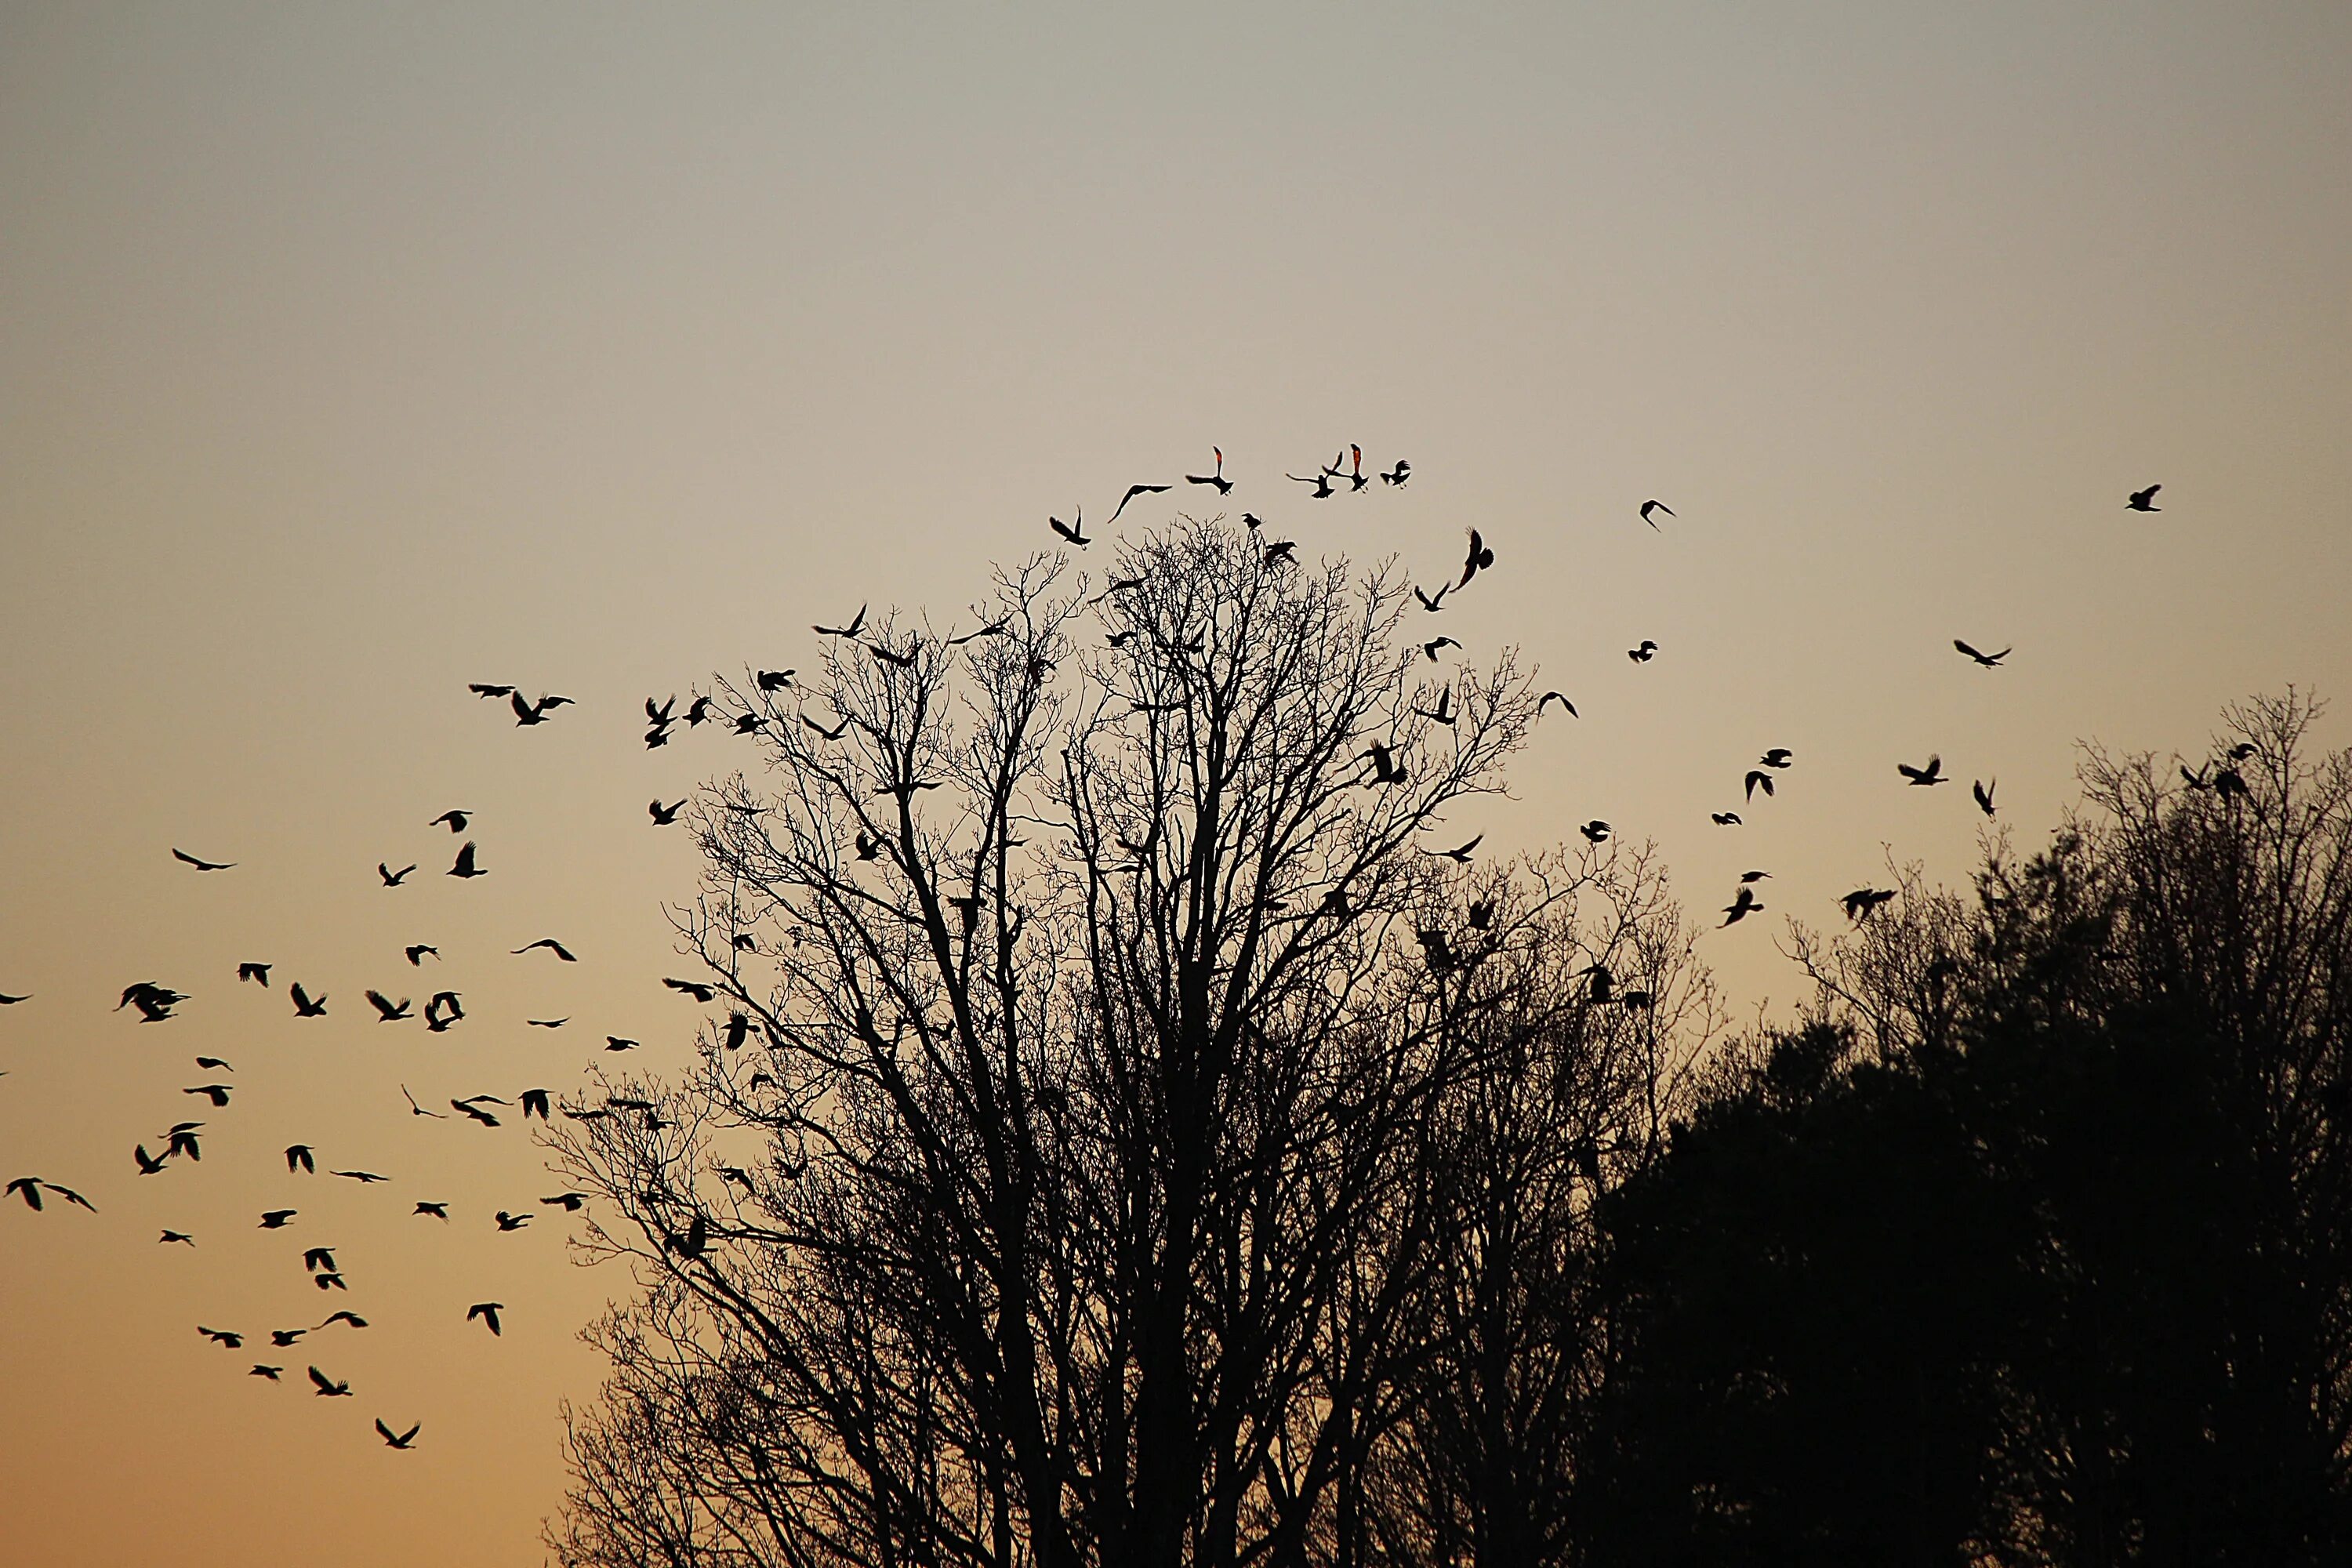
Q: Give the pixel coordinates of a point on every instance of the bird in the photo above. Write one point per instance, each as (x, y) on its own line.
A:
(1990, 660)
(769, 680)
(299, 1155)
(464, 865)
(534, 712)
(1429, 649)
(1356, 477)
(318, 1257)
(178, 1235)
(1435, 949)
(269, 1372)
(893, 658)
(1595, 831)
(400, 1440)
(392, 1011)
(226, 1339)
(487, 1311)
(415, 1108)
(694, 988)
(549, 1023)
(739, 1029)
(868, 846)
(275, 1219)
(442, 1009)
(663, 816)
(182, 1137)
(8, 1000)
(454, 820)
(30, 1188)
(534, 1102)
(486, 688)
(2143, 500)
(615, 1043)
(282, 1339)
(1133, 491)
(1398, 475)
(1724, 818)
(1433, 604)
(2229, 781)
(570, 1203)
(1281, 550)
(1460, 856)
(552, 945)
(856, 624)
(393, 879)
(1443, 713)
(187, 859)
(1558, 697)
(695, 1241)
(475, 1111)
(346, 1316)
(1321, 482)
(1933, 774)
(328, 1387)
(1983, 792)
(305, 1005)
(1650, 506)
(1862, 900)
(1753, 875)
(209, 1063)
(438, 1211)
(364, 1178)
(1742, 905)
(148, 1164)
(1386, 768)
(1645, 653)
(1216, 478)
(512, 1221)
(257, 972)
(1778, 757)
(1759, 778)
(215, 1092)
(836, 733)
(1480, 558)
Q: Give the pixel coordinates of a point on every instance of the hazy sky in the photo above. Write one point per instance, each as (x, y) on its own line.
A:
(347, 354)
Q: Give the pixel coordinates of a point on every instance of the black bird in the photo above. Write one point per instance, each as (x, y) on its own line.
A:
(747, 722)
(1445, 713)
(182, 1137)
(485, 689)
(1556, 697)
(215, 1092)
(2196, 780)
(1647, 651)
(570, 1203)
(856, 624)
(453, 820)
(534, 1102)
(345, 1316)
(299, 1154)
(1758, 777)
(328, 1387)
(1217, 478)
(836, 733)
(1398, 475)
(552, 945)
(868, 846)
(438, 1211)
(1386, 768)
(475, 1111)
(222, 1337)
(1990, 660)
(2242, 750)
(209, 1063)
(1742, 905)
(1778, 757)
(1253, 521)
(696, 712)
(1479, 559)
(1460, 856)
(743, 941)
(694, 988)
(153, 1002)
(392, 1011)
(1933, 774)
(663, 816)
(1435, 949)
(281, 1339)
(1281, 550)
(1321, 482)
(1650, 506)
(275, 1219)
(2227, 782)
(1724, 818)
(29, 1188)
(739, 1028)
(892, 656)
(535, 713)
(1862, 900)
(304, 1006)
(401, 1440)
(442, 1009)
(8, 1000)
(659, 713)
(464, 865)
(615, 1043)
(178, 1235)
(148, 1164)
(1356, 477)
(1076, 534)
(393, 879)
(696, 1240)
(364, 1178)
(269, 1372)
(187, 859)
(549, 1023)
(257, 972)
(1595, 831)
(1983, 792)
(1429, 649)
(487, 1311)
(1434, 606)
(417, 1110)
(318, 1257)
(769, 680)
(512, 1221)
(1133, 491)
(2143, 500)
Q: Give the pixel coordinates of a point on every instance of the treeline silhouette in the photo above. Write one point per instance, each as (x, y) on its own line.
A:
(1143, 1131)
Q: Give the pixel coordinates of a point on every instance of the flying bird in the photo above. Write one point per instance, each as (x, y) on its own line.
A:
(615, 1043)
(393, 879)
(224, 1338)
(486, 688)
(694, 988)
(269, 1372)
(346, 1316)
(663, 816)
(1460, 856)
(1133, 491)
(1443, 713)
(328, 1387)
(487, 1311)
(464, 865)
(552, 945)
(1990, 660)
(1724, 818)
(1778, 757)
(511, 1221)
(178, 1235)
(275, 1219)
(257, 972)
(187, 859)
(549, 1023)
(30, 1188)
(1862, 900)
(305, 1007)
(2143, 500)
(438, 1211)
(1983, 792)
(1650, 506)
(364, 1178)
(400, 1440)
(215, 1092)
(1742, 905)
(1643, 654)
(1216, 478)
(570, 1203)
(1556, 697)
(1595, 831)
(1433, 604)
(1429, 649)
(1321, 482)
(392, 1011)
(856, 624)
(8, 1000)
(1933, 774)
(1480, 558)
(454, 820)
(1398, 475)
(534, 1102)
(299, 1156)
(1758, 778)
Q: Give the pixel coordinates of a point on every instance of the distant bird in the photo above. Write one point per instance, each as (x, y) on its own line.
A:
(487, 1311)
(1444, 712)
(1321, 482)
(318, 1257)
(275, 1219)
(1282, 549)
(615, 1043)
(2229, 781)
(346, 1316)
(694, 988)
(1778, 757)
(739, 1029)
(328, 1387)
(1758, 779)
(552, 945)
(269, 1372)
(1480, 558)
(454, 820)
(7, 1001)
(403, 1439)
(215, 1092)
(663, 816)
(1356, 477)
(1724, 818)
(549, 1023)
(1460, 856)
(283, 1339)
(1429, 649)
(1595, 831)
(891, 657)
(485, 689)
(182, 1137)
(475, 1111)
(2196, 780)
(393, 1012)
(442, 1009)
(1650, 506)
(570, 1203)
(224, 1338)
(299, 1156)
(178, 1235)
(1742, 905)
(304, 1006)
(1398, 475)
(534, 712)
(1753, 875)
(1933, 774)
(1433, 604)
(438, 1211)
(364, 1178)
(512, 1221)
(856, 624)
(257, 972)
(464, 865)
(393, 879)
(1386, 768)
(2242, 750)
(1645, 653)
(1983, 792)
(187, 859)
(1862, 900)
(1990, 660)
(1556, 697)
(1216, 478)
(1133, 491)
(148, 1164)
(534, 1102)
(769, 680)
(417, 1110)
(30, 1188)
(209, 1063)
(2143, 500)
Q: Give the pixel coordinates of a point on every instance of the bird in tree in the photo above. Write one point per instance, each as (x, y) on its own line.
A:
(393, 879)
(1983, 792)
(257, 972)
(1990, 660)
(1742, 905)
(1481, 557)
(453, 820)
(1933, 774)
(328, 1387)
(487, 1311)
(1216, 477)
(1386, 768)
(187, 859)
(2143, 500)
(392, 1440)
(1648, 507)
(1133, 491)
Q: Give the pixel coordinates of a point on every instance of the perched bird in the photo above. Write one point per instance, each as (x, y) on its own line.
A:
(1933, 774)
(392, 1011)
(1216, 477)
(1282, 549)
(187, 859)
(393, 879)
(552, 945)
(257, 972)
(2143, 500)
(298, 1156)
(1558, 697)
(1398, 475)
(464, 866)
(1724, 818)
(1653, 506)
(1742, 905)
(453, 820)
(487, 1311)
(328, 1388)
(1645, 653)
(1758, 779)
(1133, 491)
(304, 1006)
(1480, 558)
(769, 680)
(1862, 900)
(663, 816)
(438, 1211)
(1983, 792)
(1990, 660)
(401, 1440)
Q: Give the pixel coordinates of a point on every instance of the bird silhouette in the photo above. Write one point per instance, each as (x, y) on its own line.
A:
(275, 1219)
(1282, 549)
(570, 1203)
(257, 972)
(215, 1092)
(1990, 660)
(1480, 558)
(364, 1178)
(506, 1221)
(299, 1155)
(464, 865)
(393, 1012)
(1645, 653)
(1758, 779)
(305, 1005)
(1433, 604)
(328, 1388)
(487, 1311)
(1724, 818)
(2143, 500)
(1558, 697)
(663, 816)
(187, 859)
(224, 1338)
(1133, 491)
(1778, 757)
(30, 1188)
(438, 1211)
(1444, 712)
(475, 1111)
(1217, 478)
(1356, 477)
(1398, 475)
(453, 820)
(615, 1043)
(739, 1029)
(1386, 768)
(1461, 856)
(318, 1257)
(1983, 792)
(393, 1440)
(769, 680)
(417, 1110)
(442, 1009)
(1429, 649)
(1595, 831)
(1321, 482)
(269, 1372)
(1742, 905)
(182, 1136)
(346, 1316)
(148, 1164)
(836, 733)
(1862, 900)
(856, 624)
(548, 1023)
(178, 1235)
(552, 945)
(1933, 774)
(534, 1102)
(694, 988)
(486, 688)
(1754, 875)
(532, 712)
(393, 879)
(1651, 506)
(8, 1000)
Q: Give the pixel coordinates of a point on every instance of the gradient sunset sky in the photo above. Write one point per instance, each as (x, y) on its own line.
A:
(351, 355)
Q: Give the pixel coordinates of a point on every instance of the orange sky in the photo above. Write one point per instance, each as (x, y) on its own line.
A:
(347, 357)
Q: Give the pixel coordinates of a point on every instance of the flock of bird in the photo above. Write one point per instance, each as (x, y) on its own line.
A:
(443, 1008)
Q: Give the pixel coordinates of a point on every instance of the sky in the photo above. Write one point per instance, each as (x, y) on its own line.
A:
(351, 355)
